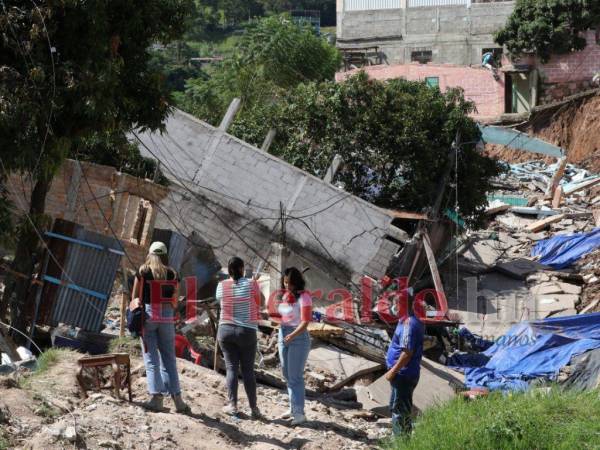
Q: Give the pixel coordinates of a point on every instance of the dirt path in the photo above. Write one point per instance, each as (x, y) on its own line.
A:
(49, 404)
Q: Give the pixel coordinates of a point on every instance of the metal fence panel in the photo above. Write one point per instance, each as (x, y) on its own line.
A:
(365, 5)
(90, 274)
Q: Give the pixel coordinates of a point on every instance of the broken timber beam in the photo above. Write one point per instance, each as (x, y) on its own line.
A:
(541, 224)
(554, 183)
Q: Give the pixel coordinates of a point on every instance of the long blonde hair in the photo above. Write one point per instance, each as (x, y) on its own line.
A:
(155, 264)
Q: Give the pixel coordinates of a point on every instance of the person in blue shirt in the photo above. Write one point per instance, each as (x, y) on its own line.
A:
(487, 60)
(403, 361)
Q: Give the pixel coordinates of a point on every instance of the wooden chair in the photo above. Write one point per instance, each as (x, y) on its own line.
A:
(119, 365)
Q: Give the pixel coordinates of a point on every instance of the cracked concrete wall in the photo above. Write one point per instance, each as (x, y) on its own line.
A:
(455, 34)
(221, 183)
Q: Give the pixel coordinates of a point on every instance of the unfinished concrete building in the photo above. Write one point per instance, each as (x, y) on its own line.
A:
(423, 31)
(442, 43)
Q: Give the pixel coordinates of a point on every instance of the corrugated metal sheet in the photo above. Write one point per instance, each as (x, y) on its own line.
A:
(427, 3)
(87, 280)
(365, 5)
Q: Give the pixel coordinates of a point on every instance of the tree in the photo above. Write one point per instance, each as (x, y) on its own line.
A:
(325, 7)
(237, 11)
(69, 69)
(112, 148)
(547, 27)
(394, 138)
(273, 55)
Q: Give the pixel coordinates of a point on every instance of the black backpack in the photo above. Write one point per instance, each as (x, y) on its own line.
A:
(135, 318)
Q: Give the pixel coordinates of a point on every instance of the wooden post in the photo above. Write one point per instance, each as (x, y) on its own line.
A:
(554, 183)
(124, 297)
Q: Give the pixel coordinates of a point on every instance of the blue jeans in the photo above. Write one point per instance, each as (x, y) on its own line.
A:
(159, 357)
(293, 358)
(401, 403)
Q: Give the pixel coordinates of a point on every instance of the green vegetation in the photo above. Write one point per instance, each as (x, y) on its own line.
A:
(44, 362)
(273, 55)
(72, 71)
(535, 420)
(125, 344)
(394, 138)
(45, 410)
(547, 27)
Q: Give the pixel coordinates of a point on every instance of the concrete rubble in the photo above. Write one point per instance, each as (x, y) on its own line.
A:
(522, 215)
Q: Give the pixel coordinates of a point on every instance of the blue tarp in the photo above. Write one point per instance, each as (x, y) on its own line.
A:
(563, 250)
(533, 350)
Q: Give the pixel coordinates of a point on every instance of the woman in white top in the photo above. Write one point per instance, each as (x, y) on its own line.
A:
(295, 310)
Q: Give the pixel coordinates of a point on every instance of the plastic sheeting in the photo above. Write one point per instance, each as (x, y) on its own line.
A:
(535, 350)
(561, 251)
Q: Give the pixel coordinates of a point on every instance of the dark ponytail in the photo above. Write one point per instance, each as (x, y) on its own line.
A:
(236, 268)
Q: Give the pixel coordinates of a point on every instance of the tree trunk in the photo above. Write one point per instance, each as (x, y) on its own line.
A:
(17, 290)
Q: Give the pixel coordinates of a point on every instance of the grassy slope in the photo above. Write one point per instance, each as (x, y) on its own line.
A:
(537, 420)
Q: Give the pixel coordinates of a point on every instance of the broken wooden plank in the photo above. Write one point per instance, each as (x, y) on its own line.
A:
(407, 215)
(497, 209)
(554, 183)
(590, 307)
(557, 198)
(596, 214)
(585, 184)
(321, 330)
(541, 224)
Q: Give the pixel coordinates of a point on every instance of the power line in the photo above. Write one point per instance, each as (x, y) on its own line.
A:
(195, 195)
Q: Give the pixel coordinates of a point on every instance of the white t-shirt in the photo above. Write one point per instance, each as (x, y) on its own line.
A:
(293, 311)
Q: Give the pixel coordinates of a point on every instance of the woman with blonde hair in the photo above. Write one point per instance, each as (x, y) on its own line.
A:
(158, 334)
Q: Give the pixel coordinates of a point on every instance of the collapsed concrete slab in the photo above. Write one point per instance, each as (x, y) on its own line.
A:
(437, 384)
(233, 194)
(344, 367)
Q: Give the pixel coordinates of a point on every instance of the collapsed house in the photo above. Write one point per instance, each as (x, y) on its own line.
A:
(240, 200)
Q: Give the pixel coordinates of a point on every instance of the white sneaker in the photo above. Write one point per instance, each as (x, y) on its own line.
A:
(286, 416)
(230, 410)
(298, 419)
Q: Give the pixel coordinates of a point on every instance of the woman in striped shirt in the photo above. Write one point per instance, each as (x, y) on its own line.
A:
(295, 311)
(238, 322)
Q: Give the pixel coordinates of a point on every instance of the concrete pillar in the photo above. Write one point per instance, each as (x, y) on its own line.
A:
(229, 117)
(333, 168)
(268, 140)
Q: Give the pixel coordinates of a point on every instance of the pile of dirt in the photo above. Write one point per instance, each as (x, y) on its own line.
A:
(574, 125)
(45, 411)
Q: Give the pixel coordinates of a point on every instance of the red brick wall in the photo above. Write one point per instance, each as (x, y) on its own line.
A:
(478, 83)
(568, 74)
(111, 189)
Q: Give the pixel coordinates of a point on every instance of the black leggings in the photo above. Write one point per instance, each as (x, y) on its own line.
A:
(239, 346)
